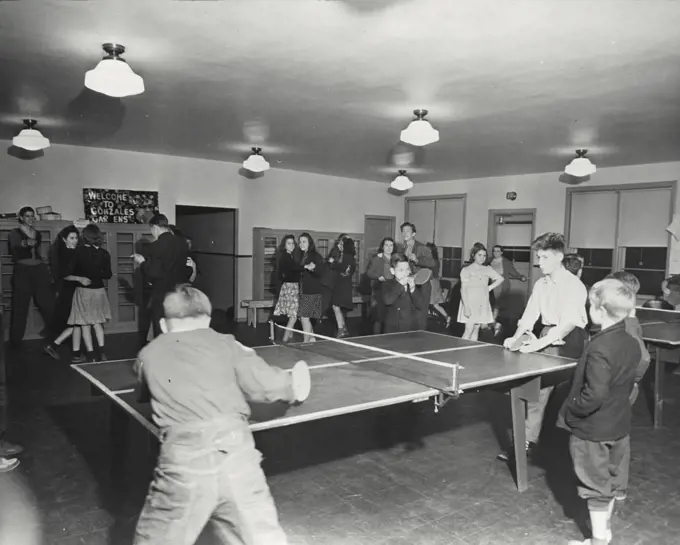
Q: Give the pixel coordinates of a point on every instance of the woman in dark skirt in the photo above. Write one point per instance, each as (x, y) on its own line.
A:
(379, 270)
(342, 268)
(288, 271)
(310, 284)
(62, 262)
(91, 309)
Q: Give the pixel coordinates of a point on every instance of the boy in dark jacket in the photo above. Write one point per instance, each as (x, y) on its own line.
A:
(403, 299)
(633, 327)
(598, 412)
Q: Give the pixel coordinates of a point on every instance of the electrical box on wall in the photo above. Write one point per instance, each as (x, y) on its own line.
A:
(511, 195)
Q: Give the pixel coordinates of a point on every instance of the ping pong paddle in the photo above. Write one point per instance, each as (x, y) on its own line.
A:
(422, 277)
(524, 339)
(302, 381)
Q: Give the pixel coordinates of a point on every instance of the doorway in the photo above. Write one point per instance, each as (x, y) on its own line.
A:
(214, 234)
(514, 230)
(376, 228)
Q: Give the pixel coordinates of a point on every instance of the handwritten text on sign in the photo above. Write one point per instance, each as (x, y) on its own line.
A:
(119, 205)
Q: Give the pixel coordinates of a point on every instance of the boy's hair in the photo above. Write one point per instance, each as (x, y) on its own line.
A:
(407, 224)
(161, 220)
(628, 279)
(92, 235)
(612, 295)
(396, 259)
(572, 263)
(186, 301)
(549, 241)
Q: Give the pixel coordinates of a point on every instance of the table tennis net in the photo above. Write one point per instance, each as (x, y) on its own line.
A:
(325, 352)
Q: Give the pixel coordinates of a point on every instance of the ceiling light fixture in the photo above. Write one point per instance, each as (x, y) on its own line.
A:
(256, 162)
(420, 132)
(401, 182)
(113, 76)
(29, 138)
(581, 165)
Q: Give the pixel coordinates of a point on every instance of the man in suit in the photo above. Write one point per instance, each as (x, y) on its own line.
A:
(420, 257)
(165, 265)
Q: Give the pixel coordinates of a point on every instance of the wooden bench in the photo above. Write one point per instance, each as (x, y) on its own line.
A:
(252, 306)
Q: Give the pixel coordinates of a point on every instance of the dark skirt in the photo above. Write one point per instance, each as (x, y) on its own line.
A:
(62, 308)
(310, 306)
(342, 292)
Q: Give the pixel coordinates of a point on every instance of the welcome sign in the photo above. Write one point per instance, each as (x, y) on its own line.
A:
(119, 205)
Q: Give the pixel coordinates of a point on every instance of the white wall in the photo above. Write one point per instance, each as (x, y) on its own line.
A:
(543, 192)
(280, 199)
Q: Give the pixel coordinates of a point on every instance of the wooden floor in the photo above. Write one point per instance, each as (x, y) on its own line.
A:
(356, 479)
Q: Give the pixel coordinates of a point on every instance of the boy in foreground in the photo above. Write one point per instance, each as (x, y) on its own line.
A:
(208, 468)
(404, 300)
(597, 411)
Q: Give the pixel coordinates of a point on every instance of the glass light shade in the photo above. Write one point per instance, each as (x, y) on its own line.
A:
(580, 167)
(401, 183)
(256, 163)
(113, 77)
(420, 133)
(31, 140)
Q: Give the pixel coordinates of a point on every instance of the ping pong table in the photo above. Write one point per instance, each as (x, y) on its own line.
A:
(660, 330)
(355, 379)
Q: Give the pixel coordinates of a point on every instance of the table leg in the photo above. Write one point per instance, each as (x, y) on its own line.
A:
(119, 431)
(518, 396)
(659, 373)
(252, 317)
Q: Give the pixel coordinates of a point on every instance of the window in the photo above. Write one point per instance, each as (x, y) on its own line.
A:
(440, 220)
(622, 229)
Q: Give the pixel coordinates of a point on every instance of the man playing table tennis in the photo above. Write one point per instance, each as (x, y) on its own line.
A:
(559, 299)
(208, 468)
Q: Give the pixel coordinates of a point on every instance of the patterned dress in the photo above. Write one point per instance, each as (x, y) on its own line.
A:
(475, 292)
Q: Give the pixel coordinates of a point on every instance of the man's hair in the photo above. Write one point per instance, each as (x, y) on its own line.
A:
(549, 241)
(24, 210)
(613, 296)
(628, 279)
(407, 224)
(396, 259)
(160, 220)
(572, 262)
(186, 301)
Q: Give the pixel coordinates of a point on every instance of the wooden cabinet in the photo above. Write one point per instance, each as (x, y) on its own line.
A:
(265, 245)
(122, 289)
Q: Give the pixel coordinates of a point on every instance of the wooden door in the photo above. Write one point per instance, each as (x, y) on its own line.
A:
(376, 228)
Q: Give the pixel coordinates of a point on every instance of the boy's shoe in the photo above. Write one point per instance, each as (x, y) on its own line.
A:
(78, 358)
(51, 352)
(8, 464)
(102, 356)
(509, 455)
(8, 450)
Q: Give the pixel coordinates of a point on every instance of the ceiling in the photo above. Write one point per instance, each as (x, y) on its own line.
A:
(326, 86)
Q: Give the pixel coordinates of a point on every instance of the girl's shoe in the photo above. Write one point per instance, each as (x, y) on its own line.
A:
(448, 321)
(342, 333)
(51, 352)
(78, 358)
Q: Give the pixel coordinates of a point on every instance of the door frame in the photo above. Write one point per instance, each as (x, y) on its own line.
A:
(491, 230)
(236, 253)
(393, 219)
